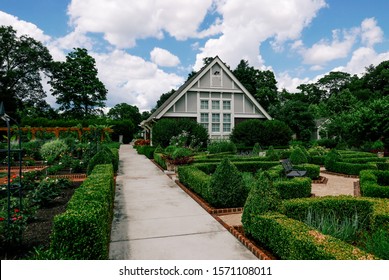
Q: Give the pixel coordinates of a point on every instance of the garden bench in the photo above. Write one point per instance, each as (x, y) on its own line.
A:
(290, 171)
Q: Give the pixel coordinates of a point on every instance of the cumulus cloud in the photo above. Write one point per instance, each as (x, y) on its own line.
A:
(124, 22)
(325, 51)
(247, 24)
(371, 33)
(23, 27)
(133, 80)
(164, 58)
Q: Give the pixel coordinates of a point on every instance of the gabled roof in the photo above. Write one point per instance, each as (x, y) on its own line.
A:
(191, 82)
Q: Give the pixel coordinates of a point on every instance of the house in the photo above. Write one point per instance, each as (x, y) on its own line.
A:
(214, 98)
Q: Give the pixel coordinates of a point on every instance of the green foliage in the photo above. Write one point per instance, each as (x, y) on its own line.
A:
(104, 156)
(47, 190)
(82, 232)
(272, 154)
(298, 156)
(313, 170)
(294, 188)
(53, 150)
(75, 84)
(158, 157)
(242, 166)
(266, 133)
(291, 239)
(221, 146)
(181, 152)
(148, 151)
(374, 183)
(378, 244)
(226, 188)
(263, 198)
(195, 179)
(165, 129)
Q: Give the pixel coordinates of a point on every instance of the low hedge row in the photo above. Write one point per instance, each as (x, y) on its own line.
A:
(294, 188)
(82, 232)
(374, 183)
(195, 179)
(146, 150)
(291, 239)
(363, 160)
(355, 154)
(319, 160)
(246, 166)
(350, 168)
(231, 158)
(383, 166)
(313, 170)
(342, 207)
(158, 158)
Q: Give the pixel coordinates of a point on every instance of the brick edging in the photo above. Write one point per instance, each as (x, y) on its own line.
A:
(321, 180)
(357, 188)
(339, 174)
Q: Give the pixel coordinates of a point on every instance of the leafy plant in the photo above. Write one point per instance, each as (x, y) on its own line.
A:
(272, 154)
(53, 150)
(221, 146)
(298, 156)
(47, 190)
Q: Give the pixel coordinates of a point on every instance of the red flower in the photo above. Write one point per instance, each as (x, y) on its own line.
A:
(2, 219)
(16, 210)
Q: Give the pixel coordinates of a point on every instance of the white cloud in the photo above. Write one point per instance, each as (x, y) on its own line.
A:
(371, 33)
(123, 22)
(324, 51)
(246, 24)
(164, 58)
(133, 80)
(23, 27)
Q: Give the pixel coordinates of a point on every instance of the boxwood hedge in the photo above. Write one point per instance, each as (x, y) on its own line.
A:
(294, 188)
(82, 231)
(374, 183)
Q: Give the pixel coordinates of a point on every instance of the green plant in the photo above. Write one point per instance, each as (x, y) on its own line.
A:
(378, 146)
(53, 150)
(47, 190)
(294, 188)
(263, 198)
(226, 188)
(298, 156)
(104, 156)
(221, 146)
(378, 243)
(272, 154)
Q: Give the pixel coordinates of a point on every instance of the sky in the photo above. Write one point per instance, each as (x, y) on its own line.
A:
(144, 48)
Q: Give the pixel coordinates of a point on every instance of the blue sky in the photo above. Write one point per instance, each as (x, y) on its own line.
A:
(144, 48)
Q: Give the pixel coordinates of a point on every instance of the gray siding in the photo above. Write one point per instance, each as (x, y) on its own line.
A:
(191, 101)
(238, 103)
(180, 105)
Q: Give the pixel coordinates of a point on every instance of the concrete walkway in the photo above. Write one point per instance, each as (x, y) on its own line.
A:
(155, 220)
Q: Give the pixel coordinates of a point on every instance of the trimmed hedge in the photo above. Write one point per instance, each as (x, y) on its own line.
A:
(374, 183)
(83, 231)
(231, 158)
(246, 166)
(146, 150)
(363, 160)
(104, 156)
(313, 170)
(350, 168)
(195, 179)
(158, 158)
(319, 160)
(294, 188)
(341, 207)
(291, 239)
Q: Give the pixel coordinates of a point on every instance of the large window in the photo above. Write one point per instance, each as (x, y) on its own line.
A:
(215, 122)
(226, 122)
(204, 120)
(204, 104)
(226, 105)
(215, 104)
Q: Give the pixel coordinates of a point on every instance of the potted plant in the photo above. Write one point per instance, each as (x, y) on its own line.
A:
(378, 147)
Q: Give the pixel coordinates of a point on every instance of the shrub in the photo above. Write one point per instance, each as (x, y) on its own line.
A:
(195, 180)
(47, 190)
(226, 188)
(103, 156)
(52, 150)
(374, 183)
(148, 151)
(313, 170)
(266, 133)
(263, 198)
(298, 156)
(165, 129)
(82, 232)
(242, 166)
(271, 154)
(294, 188)
(158, 157)
(221, 146)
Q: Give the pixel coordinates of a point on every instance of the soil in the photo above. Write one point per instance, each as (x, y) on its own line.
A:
(38, 231)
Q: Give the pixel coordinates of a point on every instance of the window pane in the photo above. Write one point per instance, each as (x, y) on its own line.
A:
(215, 127)
(204, 117)
(204, 104)
(226, 105)
(205, 125)
(226, 118)
(215, 104)
(215, 118)
(226, 127)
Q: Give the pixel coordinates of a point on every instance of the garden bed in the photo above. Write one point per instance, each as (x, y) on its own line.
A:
(38, 231)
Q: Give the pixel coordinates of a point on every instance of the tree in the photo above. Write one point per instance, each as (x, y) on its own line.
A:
(334, 82)
(74, 82)
(22, 61)
(162, 99)
(124, 111)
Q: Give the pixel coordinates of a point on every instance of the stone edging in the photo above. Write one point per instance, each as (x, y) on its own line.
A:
(357, 188)
(321, 180)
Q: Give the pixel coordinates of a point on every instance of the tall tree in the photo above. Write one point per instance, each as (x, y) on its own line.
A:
(124, 111)
(75, 84)
(22, 61)
(334, 82)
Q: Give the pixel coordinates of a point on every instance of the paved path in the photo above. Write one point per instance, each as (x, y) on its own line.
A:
(154, 219)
